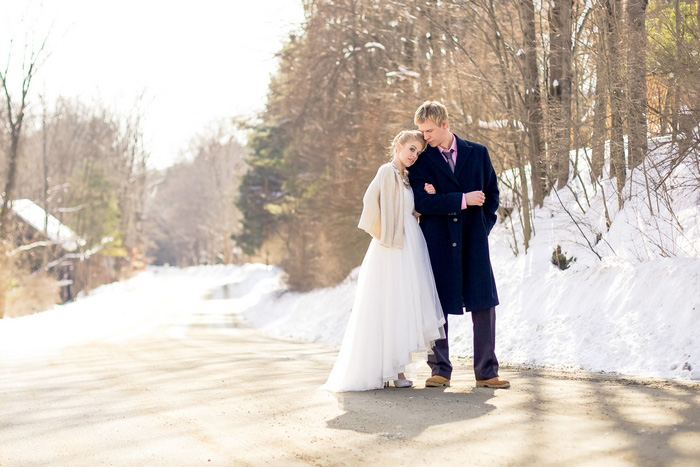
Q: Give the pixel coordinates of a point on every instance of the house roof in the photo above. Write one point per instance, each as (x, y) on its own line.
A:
(35, 216)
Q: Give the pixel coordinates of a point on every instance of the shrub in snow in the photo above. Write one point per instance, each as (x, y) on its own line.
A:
(560, 260)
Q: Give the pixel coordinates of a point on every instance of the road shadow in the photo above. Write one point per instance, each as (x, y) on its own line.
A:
(243, 392)
(406, 413)
(632, 420)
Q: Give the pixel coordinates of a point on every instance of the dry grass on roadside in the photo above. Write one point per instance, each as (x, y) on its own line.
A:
(31, 293)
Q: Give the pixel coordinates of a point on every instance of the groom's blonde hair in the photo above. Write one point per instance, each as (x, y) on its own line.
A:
(430, 110)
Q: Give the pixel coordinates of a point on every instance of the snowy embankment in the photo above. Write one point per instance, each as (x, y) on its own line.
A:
(160, 299)
(619, 317)
(628, 304)
(636, 319)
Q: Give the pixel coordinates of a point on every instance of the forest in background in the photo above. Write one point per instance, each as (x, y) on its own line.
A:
(532, 81)
(86, 166)
(83, 166)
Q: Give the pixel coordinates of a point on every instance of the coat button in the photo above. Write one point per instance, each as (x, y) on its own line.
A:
(454, 244)
(455, 219)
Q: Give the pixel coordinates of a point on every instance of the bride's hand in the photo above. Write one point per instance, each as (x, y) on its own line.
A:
(416, 214)
(430, 189)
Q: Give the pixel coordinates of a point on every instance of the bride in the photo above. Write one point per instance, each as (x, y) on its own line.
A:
(396, 311)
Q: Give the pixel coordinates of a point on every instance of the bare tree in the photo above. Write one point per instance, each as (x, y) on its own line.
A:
(600, 109)
(14, 121)
(613, 40)
(45, 166)
(357, 72)
(560, 88)
(533, 102)
(636, 81)
(191, 215)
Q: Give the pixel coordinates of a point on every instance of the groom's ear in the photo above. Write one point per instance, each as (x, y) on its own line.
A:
(444, 125)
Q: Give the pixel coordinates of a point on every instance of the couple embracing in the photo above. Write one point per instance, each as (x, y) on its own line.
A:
(415, 275)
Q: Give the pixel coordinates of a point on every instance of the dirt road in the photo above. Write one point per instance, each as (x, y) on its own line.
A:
(212, 392)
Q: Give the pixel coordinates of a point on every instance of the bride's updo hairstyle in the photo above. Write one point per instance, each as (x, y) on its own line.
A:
(404, 137)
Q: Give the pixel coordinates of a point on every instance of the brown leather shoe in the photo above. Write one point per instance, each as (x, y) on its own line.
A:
(495, 383)
(437, 382)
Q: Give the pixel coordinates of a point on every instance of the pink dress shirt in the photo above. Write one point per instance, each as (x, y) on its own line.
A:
(454, 160)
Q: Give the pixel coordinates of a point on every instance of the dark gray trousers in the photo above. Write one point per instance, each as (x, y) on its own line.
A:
(485, 361)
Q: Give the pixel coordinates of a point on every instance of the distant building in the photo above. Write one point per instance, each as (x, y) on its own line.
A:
(46, 224)
(44, 242)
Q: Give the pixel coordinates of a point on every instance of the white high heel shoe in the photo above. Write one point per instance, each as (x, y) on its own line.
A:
(403, 383)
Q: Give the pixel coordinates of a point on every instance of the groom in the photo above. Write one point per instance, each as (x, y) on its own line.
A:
(456, 222)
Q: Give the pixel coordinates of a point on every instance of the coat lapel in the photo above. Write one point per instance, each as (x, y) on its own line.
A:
(464, 150)
(441, 163)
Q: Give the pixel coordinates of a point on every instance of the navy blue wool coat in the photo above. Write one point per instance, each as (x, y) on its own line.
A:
(458, 239)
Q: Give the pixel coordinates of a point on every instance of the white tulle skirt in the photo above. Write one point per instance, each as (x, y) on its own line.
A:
(396, 314)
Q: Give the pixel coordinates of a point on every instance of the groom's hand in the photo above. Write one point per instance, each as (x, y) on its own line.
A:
(475, 198)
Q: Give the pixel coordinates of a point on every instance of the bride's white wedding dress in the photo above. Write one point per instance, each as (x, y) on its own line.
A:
(396, 312)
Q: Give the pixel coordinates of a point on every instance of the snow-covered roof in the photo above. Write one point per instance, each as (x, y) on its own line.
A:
(35, 216)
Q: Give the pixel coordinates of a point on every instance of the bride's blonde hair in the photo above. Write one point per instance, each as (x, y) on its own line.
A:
(405, 136)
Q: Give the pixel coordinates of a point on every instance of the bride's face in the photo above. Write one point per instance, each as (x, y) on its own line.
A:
(408, 153)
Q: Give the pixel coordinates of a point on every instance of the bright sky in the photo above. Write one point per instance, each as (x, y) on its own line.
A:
(196, 62)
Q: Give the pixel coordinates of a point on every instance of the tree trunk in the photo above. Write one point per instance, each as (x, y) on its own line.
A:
(686, 79)
(674, 82)
(533, 104)
(618, 168)
(637, 83)
(560, 88)
(4, 269)
(45, 191)
(600, 116)
(8, 195)
(8, 192)
(525, 199)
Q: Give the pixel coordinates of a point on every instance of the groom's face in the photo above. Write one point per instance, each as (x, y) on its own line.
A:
(434, 135)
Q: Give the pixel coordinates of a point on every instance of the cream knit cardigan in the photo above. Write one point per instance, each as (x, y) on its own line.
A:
(382, 214)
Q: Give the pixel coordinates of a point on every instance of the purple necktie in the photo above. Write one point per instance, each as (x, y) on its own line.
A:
(448, 159)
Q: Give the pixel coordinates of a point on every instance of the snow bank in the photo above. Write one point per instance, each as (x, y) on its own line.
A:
(617, 317)
(156, 297)
(628, 304)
